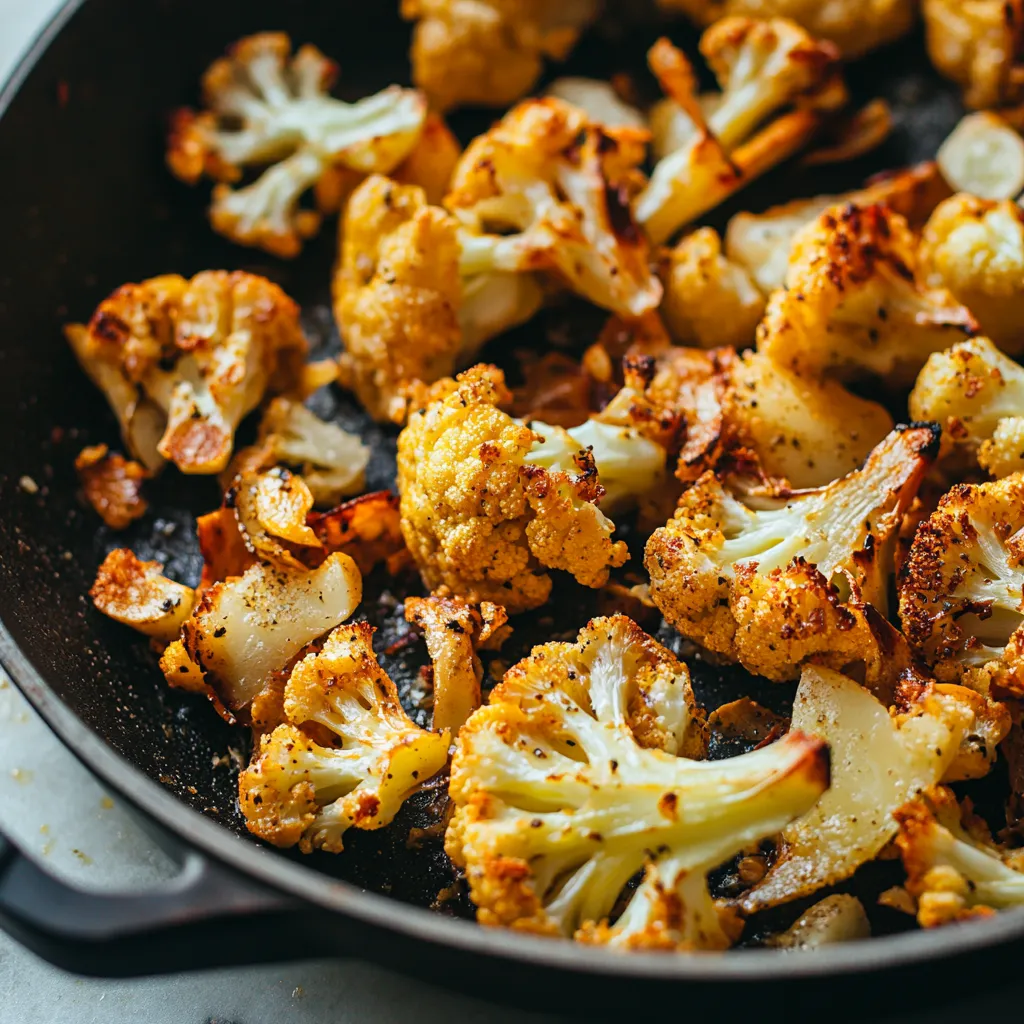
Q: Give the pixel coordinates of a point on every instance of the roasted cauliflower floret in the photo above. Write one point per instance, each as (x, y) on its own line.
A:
(480, 517)
(978, 44)
(775, 583)
(578, 774)
(954, 871)
(264, 106)
(299, 791)
(112, 484)
(961, 601)
(977, 393)
(852, 304)
(763, 67)
(547, 189)
(183, 362)
(490, 52)
(974, 248)
(855, 26)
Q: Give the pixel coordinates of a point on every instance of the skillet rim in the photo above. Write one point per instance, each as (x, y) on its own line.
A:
(199, 832)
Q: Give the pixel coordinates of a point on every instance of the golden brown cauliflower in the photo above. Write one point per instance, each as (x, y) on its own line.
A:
(961, 600)
(855, 26)
(978, 44)
(852, 304)
(974, 248)
(777, 582)
(480, 518)
(578, 774)
(182, 362)
(489, 52)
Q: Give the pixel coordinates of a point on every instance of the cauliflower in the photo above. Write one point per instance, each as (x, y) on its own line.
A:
(599, 100)
(183, 362)
(879, 761)
(974, 248)
(480, 517)
(960, 588)
(977, 43)
(405, 308)
(548, 189)
(709, 300)
(775, 583)
(977, 393)
(983, 155)
(489, 52)
(762, 68)
(954, 872)
(577, 775)
(855, 26)
(112, 485)
(300, 791)
(265, 107)
(852, 304)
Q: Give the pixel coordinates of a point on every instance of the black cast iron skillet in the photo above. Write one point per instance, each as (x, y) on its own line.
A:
(85, 204)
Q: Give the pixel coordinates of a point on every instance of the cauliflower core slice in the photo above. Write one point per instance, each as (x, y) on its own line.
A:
(878, 763)
(576, 776)
(961, 601)
(267, 107)
(774, 583)
(480, 517)
(183, 362)
(298, 791)
(984, 156)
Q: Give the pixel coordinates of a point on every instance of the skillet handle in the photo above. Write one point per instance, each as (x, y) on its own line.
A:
(206, 916)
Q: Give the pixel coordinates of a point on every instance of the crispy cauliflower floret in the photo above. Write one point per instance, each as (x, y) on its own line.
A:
(112, 485)
(578, 774)
(298, 791)
(855, 26)
(975, 249)
(599, 100)
(774, 583)
(953, 869)
(183, 362)
(547, 189)
(852, 304)
(489, 52)
(977, 43)
(879, 761)
(480, 517)
(960, 588)
(763, 67)
(977, 393)
(405, 308)
(267, 107)
(709, 300)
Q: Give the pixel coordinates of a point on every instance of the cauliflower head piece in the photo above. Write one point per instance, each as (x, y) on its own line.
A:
(182, 362)
(480, 517)
(263, 107)
(778, 582)
(853, 304)
(299, 791)
(961, 601)
(579, 773)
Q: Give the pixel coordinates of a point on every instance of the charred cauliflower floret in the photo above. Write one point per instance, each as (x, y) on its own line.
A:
(852, 304)
(406, 309)
(775, 583)
(266, 107)
(299, 791)
(480, 517)
(978, 44)
(855, 26)
(974, 248)
(182, 362)
(977, 393)
(719, 145)
(490, 52)
(547, 189)
(954, 871)
(961, 600)
(577, 775)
